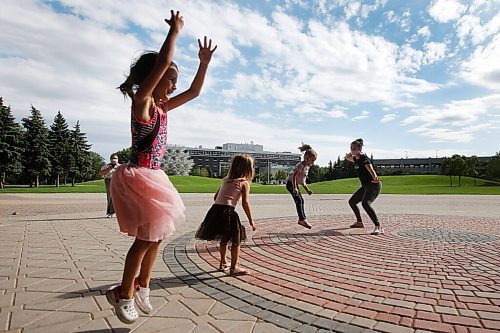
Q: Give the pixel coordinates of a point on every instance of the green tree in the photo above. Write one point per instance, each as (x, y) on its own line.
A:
(315, 173)
(60, 148)
(493, 168)
(80, 163)
(36, 155)
(281, 175)
(123, 155)
(96, 162)
(11, 146)
(471, 164)
(201, 172)
(446, 169)
(458, 167)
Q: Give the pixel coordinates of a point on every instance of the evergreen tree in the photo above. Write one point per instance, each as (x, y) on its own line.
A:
(36, 155)
(10, 144)
(60, 148)
(177, 161)
(80, 162)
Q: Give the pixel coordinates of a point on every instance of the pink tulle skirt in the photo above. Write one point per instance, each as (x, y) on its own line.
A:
(146, 203)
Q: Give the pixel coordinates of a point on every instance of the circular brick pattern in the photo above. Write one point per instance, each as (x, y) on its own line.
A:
(436, 273)
(448, 236)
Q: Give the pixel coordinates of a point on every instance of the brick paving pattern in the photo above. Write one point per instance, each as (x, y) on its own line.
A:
(443, 278)
(435, 270)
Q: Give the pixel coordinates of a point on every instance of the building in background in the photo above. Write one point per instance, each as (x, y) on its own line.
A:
(216, 160)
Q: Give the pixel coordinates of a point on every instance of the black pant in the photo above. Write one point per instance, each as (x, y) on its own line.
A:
(366, 195)
(299, 201)
(109, 209)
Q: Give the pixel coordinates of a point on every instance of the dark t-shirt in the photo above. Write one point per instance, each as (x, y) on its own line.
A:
(359, 165)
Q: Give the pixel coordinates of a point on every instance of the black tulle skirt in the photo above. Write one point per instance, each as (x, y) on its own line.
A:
(222, 224)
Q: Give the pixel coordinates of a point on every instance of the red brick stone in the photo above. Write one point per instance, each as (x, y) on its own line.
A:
(466, 321)
(376, 306)
(481, 330)
(360, 312)
(460, 329)
(483, 307)
(432, 316)
(432, 326)
(405, 321)
(421, 300)
(471, 299)
(448, 304)
(404, 312)
(492, 324)
(389, 318)
(335, 306)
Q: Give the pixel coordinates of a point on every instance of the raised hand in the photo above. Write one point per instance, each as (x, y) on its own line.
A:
(205, 53)
(176, 21)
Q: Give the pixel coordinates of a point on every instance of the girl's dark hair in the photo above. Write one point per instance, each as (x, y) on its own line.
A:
(139, 70)
(307, 149)
(111, 156)
(358, 143)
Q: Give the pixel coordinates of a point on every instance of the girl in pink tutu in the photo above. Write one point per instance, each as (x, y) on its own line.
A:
(147, 205)
(222, 223)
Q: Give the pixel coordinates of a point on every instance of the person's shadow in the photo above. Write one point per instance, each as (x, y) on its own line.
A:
(110, 330)
(154, 284)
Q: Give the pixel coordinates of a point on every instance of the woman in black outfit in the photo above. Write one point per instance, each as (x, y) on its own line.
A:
(370, 186)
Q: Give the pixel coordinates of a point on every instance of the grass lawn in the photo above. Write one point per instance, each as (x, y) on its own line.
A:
(414, 184)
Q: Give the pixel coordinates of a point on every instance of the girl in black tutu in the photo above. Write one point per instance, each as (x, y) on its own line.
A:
(222, 223)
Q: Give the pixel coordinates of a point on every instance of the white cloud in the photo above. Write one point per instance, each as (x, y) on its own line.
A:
(434, 52)
(483, 68)
(454, 121)
(446, 10)
(403, 20)
(362, 116)
(473, 27)
(388, 118)
(424, 31)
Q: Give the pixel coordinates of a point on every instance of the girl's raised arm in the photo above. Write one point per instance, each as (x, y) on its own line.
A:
(142, 97)
(205, 55)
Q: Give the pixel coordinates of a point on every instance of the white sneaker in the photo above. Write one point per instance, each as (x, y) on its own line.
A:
(142, 298)
(124, 308)
(377, 231)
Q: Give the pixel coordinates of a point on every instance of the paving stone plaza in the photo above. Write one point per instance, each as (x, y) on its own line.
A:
(436, 268)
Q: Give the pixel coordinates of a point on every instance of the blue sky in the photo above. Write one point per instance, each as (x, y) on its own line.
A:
(415, 78)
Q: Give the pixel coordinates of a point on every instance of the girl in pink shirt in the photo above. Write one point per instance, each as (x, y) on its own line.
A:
(222, 223)
(147, 205)
(298, 176)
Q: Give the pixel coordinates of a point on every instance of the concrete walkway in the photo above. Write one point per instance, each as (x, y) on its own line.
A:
(436, 269)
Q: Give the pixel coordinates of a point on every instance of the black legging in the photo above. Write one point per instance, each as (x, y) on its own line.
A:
(299, 201)
(366, 195)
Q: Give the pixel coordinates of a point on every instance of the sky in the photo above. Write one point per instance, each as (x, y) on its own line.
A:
(412, 78)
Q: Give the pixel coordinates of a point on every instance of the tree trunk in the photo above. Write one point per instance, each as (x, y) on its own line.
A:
(451, 182)
(2, 181)
(37, 181)
(57, 180)
(73, 182)
(459, 181)
(475, 181)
